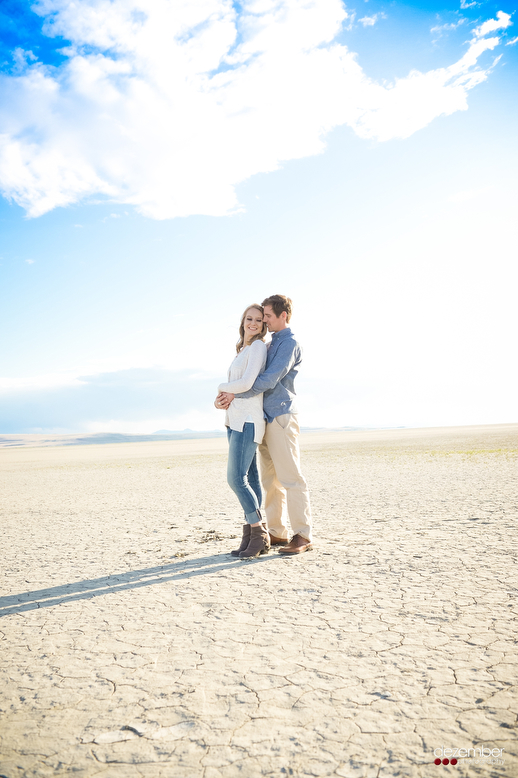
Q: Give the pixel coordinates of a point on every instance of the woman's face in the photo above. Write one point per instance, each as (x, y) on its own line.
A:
(253, 323)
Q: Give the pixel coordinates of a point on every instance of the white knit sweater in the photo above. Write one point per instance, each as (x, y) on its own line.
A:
(241, 375)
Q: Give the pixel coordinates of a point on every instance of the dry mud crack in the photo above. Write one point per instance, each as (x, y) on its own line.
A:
(133, 645)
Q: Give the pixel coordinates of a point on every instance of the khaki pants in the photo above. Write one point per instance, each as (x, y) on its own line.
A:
(283, 483)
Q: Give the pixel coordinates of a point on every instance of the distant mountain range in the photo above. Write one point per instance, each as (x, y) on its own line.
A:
(100, 438)
(186, 431)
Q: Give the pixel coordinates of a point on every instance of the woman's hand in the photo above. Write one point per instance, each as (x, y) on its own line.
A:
(223, 400)
(220, 403)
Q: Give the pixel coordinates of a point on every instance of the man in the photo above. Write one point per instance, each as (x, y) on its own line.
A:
(279, 452)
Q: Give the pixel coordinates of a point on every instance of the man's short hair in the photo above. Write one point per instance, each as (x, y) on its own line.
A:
(279, 303)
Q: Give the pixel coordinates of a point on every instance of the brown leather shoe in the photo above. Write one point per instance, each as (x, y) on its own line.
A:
(275, 541)
(297, 545)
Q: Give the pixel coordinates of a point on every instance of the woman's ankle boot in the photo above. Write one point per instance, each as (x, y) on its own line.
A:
(259, 543)
(265, 527)
(244, 541)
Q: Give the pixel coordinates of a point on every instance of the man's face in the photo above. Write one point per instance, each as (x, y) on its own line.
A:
(273, 322)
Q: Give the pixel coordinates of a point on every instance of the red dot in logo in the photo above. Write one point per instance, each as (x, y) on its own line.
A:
(446, 761)
(437, 761)
(454, 761)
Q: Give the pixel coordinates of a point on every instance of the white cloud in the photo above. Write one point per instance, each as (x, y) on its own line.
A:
(440, 28)
(30, 261)
(501, 22)
(167, 106)
(413, 102)
(117, 401)
(370, 21)
(512, 42)
(38, 382)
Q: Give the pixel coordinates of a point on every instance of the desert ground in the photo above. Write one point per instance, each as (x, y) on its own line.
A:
(132, 645)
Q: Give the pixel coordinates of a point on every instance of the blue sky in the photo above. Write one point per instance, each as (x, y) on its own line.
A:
(164, 164)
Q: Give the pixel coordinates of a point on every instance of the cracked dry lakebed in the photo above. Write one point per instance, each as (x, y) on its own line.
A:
(133, 645)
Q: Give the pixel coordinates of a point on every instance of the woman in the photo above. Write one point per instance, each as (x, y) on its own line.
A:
(245, 429)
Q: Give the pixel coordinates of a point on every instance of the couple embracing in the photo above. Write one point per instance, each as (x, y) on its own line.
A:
(259, 400)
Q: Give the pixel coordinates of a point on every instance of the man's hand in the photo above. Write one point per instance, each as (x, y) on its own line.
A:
(223, 400)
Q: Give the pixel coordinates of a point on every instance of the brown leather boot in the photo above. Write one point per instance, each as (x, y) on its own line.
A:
(275, 541)
(259, 543)
(244, 541)
(297, 545)
(265, 528)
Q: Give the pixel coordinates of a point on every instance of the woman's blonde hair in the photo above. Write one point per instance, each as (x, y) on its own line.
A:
(260, 335)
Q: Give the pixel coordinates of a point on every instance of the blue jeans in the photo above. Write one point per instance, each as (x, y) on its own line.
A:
(242, 473)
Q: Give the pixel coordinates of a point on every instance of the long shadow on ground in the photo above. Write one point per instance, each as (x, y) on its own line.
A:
(119, 582)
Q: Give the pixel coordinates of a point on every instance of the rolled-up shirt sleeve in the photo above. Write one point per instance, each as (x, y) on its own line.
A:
(280, 366)
(255, 364)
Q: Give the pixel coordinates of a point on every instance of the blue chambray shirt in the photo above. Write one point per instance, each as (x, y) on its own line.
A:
(277, 381)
